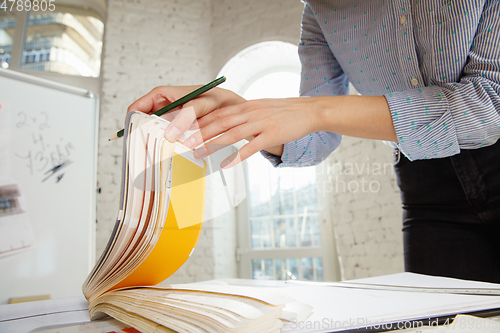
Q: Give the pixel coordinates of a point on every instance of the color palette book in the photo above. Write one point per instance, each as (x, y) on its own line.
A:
(159, 222)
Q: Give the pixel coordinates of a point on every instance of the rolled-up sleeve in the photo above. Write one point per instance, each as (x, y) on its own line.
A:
(437, 121)
(321, 76)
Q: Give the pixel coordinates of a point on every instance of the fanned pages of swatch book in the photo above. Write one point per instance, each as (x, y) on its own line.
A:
(159, 222)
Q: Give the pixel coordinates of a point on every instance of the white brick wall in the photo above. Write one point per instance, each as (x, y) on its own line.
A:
(176, 42)
(367, 213)
(238, 24)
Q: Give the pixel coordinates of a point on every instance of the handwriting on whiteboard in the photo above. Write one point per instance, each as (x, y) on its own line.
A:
(44, 157)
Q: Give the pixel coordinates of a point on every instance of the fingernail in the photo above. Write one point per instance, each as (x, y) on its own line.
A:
(173, 133)
(200, 153)
(224, 163)
(190, 142)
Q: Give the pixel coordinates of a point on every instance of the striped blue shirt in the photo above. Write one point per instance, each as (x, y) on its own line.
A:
(436, 62)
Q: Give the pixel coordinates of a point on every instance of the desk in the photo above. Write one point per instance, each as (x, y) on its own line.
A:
(331, 306)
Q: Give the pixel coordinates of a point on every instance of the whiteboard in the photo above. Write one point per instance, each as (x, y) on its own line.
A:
(52, 158)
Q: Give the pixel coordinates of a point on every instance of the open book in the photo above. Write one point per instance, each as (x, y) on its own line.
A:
(158, 225)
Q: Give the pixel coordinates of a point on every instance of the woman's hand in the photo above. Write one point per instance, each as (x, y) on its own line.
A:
(269, 123)
(266, 123)
(182, 119)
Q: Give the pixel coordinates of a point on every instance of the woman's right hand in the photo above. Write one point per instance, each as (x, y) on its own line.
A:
(184, 117)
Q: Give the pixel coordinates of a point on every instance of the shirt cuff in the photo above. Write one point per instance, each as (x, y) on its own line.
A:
(274, 159)
(309, 150)
(424, 125)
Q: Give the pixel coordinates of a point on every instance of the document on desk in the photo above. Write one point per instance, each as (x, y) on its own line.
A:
(410, 282)
(337, 308)
(64, 315)
(24, 317)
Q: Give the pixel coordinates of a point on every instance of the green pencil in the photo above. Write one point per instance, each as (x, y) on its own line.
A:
(180, 101)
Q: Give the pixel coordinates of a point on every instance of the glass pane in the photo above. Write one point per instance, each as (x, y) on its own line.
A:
(305, 189)
(305, 231)
(289, 197)
(279, 268)
(283, 200)
(310, 234)
(262, 269)
(292, 268)
(315, 230)
(288, 269)
(7, 26)
(307, 269)
(261, 234)
(258, 182)
(285, 233)
(318, 266)
(67, 41)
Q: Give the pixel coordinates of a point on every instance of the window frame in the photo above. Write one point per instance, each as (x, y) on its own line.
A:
(93, 84)
(327, 251)
(242, 70)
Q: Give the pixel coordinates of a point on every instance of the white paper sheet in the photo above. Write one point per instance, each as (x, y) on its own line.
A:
(24, 317)
(338, 308)
(410, 282)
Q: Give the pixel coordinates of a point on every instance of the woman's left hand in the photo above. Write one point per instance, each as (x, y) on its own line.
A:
(266, 123)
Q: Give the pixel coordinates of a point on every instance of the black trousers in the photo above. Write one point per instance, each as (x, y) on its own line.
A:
(451, 214)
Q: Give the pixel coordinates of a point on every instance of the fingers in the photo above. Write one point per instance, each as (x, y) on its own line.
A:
(184, 119)
(245, 152)
(152, 101)
(232, 136)
(219, 113)
(159, 97)
(187, 117)
(181, 123)
(231, 126)
(194, 140)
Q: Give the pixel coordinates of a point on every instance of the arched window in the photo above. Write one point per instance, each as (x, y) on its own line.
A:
(282, 234)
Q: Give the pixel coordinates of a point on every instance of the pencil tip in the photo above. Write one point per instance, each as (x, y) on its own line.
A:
(113, 137)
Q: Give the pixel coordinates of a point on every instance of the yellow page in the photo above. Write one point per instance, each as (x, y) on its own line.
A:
(175, 243)
(188, 187)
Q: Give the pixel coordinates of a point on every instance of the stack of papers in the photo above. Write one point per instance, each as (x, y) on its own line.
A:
(398, 301)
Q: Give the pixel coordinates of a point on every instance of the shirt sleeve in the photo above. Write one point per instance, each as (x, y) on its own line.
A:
(437, 121)
(321, 76)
